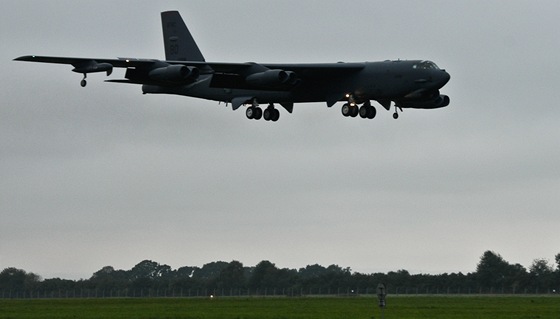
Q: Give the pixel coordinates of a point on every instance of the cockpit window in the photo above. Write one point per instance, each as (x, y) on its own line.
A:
(425, 65)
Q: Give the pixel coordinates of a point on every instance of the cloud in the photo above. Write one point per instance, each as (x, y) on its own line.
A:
(106, 175)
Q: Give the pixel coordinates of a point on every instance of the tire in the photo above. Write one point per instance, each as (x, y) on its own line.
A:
(250, 112)
(275, 115)
(267, 114)
(258, 113)
(364, 111)
(371, 112)
(346, 110)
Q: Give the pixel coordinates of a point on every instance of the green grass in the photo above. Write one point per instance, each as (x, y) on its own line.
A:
(432, 307)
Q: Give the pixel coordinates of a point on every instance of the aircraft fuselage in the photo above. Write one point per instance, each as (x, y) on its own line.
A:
(407, 84)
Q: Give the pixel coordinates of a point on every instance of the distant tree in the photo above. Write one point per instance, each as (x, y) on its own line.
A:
(517, 277)
(57, 284)
(183, 278)
(556, 282)
(338, 277)
(185, 272)
(232, 276)
(18, 279)
(312, 276)
(108, 278)
(104, 272)
(285, 278)
(400, 278)
(540, 267)
(209, 271)
(145, 269)
(541, 273)
(311, 271)
(263, 275)
(492, 270)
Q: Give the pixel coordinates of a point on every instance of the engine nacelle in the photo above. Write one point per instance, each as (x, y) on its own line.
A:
(92, 67)
(175, 74)
(272, 78)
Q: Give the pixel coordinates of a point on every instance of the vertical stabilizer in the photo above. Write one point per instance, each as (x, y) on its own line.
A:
(178, 41)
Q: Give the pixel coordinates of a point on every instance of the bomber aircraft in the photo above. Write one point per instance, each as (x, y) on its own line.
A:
(401, 83)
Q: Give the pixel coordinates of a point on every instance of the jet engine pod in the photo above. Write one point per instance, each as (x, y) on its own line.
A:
(175, 74)
(92, 67)
(272, 78)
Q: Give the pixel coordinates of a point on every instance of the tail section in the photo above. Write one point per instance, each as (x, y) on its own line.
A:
(178, 41)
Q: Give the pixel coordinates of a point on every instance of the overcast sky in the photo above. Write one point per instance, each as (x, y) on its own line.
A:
(104, 175)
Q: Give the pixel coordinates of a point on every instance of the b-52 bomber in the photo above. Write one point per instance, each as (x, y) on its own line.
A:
(403, 84)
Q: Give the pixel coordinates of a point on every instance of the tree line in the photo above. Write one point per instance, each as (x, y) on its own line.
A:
(148, 278)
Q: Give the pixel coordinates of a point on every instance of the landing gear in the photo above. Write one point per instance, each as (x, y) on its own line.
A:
(271, 113)
(350, 110)
(396, 114)
(365, 111)
(83, 82)
(254, 112)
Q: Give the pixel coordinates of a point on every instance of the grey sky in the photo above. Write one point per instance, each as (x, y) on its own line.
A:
(108, 176)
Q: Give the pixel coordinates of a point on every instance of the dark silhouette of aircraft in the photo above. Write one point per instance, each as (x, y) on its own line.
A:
(406, 84)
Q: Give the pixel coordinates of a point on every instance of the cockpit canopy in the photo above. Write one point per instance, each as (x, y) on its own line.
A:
(425, 65)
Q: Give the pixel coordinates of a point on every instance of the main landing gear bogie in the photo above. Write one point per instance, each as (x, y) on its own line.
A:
(271, 114)
(254, 112)
(366, 111)
(349, 110)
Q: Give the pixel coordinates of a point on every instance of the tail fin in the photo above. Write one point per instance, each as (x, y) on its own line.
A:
(178, 41)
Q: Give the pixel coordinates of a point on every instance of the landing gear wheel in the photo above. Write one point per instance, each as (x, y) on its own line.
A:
(267, 114)
(354, 111)
(257, 113)
(371, 112)
(250, 112)
(275, 115)
(395, 115)
(346, 110)
(84, 82)
(363, 111)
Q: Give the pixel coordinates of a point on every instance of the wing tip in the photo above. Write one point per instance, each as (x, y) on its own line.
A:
(25, 58)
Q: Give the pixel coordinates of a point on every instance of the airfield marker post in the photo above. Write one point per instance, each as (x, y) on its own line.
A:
(381, 294)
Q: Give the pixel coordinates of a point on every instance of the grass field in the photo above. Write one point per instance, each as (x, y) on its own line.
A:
(399, 307)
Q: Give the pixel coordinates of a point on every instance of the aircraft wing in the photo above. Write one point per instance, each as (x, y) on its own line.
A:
(340, 67)
(277, 76)
(246, 75)
(227, 67)
(216, 67)
(119, 63)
